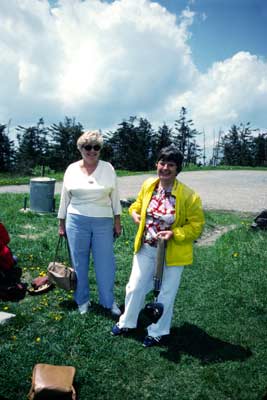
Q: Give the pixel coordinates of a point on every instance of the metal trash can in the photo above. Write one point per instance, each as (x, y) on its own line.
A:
(42, 192)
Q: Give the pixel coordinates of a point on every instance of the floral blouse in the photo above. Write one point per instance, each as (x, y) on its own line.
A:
(160, 214)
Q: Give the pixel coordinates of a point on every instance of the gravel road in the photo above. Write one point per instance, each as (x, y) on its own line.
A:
(219, 190)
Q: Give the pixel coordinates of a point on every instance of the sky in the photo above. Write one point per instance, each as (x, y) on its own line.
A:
(104, 61)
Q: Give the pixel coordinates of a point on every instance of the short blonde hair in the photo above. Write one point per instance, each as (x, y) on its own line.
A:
(90, 137)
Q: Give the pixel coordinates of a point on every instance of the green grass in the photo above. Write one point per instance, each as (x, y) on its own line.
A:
(218, 344)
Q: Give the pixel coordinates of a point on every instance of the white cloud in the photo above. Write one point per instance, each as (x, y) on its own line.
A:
(98, 61)
(102, 62)
(231, 92)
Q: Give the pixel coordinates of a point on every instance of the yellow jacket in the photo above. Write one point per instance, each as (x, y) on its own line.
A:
(188, 224)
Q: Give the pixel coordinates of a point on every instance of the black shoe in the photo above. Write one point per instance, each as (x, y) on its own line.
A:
(152, 341)
(116, 330)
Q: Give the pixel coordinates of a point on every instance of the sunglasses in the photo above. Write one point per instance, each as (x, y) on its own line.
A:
(89, 147)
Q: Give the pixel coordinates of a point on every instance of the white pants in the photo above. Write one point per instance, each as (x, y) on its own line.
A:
(141, 282)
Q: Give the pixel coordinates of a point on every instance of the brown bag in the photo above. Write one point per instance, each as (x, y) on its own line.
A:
(52, 382)
(58, 273)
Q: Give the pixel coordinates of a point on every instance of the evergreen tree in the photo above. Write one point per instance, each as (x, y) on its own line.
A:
(237, 146)
(32, 147)
(131, 145)
(193, 152)
(161, 138)
(63, 147)
(144, 134)
(123, 142)
(184, 137)
(259, 145)
(7, 152)
(246, 157)
(231, 147)
(107, 150)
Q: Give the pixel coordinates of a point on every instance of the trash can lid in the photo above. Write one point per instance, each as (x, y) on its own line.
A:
(43, 179)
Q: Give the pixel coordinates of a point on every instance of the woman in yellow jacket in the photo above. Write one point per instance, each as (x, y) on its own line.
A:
(165, 208)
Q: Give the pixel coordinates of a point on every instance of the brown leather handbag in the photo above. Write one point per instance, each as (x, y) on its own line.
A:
(52, 382)
(58, 273)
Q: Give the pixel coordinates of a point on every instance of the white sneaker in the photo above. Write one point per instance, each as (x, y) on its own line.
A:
(115, 310)
(83, 308)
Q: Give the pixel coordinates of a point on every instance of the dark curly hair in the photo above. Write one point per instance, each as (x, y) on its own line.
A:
(171, 153)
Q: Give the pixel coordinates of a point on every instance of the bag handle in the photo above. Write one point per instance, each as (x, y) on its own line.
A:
(59, 247)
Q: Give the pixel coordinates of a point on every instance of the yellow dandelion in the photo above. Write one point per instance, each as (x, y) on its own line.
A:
(14, 337)
(38, 339)
(5, 308)
(235, 254)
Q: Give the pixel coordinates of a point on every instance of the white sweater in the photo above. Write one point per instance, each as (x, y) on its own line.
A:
(95, 195)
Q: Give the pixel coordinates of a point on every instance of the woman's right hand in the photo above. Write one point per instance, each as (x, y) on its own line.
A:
(61, 232)
(136, 217)
(61, 228)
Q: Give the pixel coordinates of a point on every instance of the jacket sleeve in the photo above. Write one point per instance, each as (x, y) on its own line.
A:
(194, 220)
(137, 205)
(4, 236)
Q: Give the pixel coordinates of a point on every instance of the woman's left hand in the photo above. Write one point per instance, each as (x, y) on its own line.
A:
(166, 235)
(117, 229)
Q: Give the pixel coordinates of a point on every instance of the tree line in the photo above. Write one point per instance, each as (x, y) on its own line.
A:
(133, 146)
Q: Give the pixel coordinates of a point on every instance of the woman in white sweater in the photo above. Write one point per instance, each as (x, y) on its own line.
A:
(89, 215)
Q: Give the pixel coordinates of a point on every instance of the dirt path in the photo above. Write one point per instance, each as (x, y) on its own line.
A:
(230, 190)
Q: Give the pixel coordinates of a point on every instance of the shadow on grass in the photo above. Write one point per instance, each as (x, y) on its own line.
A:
(191, 340)
(194, 341)
(70, 305)
(187, 339)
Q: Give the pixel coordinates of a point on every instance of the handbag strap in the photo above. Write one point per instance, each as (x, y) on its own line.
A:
(59, 247)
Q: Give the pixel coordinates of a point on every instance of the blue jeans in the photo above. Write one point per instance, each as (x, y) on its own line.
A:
(85, 234)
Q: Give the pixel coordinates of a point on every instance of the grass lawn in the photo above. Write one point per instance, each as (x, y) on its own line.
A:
(217, 349)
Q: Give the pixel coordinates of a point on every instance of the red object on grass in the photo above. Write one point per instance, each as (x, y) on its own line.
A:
(6, 258)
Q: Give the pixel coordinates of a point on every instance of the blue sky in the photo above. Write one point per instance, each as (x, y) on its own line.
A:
(103, 61)
(223, 28)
